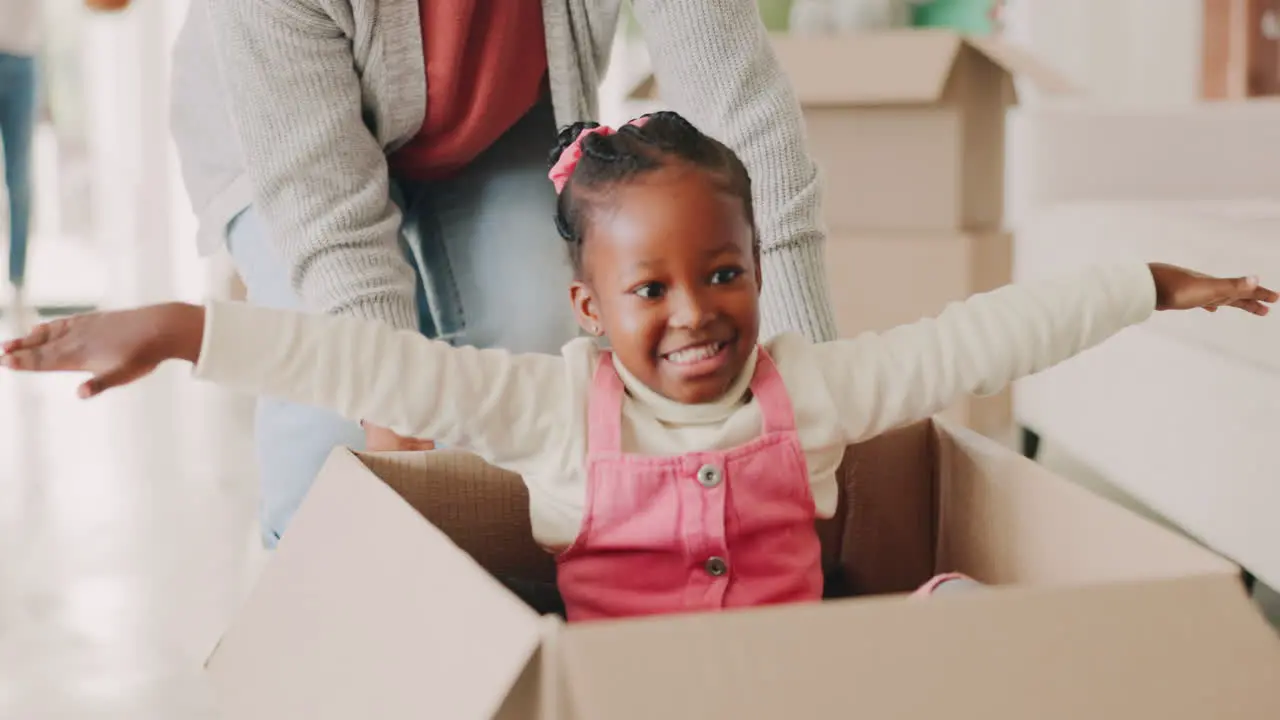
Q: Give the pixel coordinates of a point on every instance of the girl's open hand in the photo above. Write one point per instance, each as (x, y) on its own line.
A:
(116, 347)
(1181, 289)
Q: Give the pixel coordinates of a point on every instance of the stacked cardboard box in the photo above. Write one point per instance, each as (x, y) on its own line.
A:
(1240, 52)
(908, 127)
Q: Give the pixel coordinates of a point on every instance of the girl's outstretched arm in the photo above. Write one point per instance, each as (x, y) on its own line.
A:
(882, 380)
(505, 407)
(116, 348)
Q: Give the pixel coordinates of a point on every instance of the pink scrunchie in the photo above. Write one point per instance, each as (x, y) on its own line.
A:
(564, 167)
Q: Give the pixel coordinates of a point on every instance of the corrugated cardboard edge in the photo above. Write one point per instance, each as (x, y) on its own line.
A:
(483, 509)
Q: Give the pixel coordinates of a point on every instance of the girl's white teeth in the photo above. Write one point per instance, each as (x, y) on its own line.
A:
(694, 354)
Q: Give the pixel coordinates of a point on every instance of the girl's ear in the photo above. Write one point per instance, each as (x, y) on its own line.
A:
(584, 308)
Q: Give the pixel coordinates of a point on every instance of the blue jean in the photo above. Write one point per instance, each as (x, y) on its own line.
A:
(17, 134)
(493, 271)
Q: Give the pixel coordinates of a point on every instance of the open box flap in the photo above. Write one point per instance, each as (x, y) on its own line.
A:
(1019, 64)
(1003, 518)
(1187, 649)
(887, 68)
(367, 610)
(891, 67)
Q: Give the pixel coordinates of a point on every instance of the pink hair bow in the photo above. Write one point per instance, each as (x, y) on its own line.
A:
(564, 167)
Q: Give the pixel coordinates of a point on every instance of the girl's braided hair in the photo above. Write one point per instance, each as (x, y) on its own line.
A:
(608, 160)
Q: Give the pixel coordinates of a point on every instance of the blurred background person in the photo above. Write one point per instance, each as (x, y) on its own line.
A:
(19, 44)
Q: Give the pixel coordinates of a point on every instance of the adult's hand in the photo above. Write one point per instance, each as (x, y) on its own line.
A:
(380, 439)
(318, 172)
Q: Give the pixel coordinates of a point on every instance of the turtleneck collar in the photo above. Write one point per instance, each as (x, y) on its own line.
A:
(669, 411)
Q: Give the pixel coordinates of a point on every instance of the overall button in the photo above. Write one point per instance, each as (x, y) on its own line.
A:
(710, 476)
(716, 566)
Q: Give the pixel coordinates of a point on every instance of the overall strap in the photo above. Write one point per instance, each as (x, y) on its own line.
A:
(771, 393)
(604, 408)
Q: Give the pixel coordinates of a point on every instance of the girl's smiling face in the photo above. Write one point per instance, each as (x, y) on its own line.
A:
(670, 274)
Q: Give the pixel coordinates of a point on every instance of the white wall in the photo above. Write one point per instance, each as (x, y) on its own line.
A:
(1144, 52)
(140, 213)
(1137, 54)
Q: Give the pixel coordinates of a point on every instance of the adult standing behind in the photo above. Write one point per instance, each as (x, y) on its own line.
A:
(20, 22)
(387, 159)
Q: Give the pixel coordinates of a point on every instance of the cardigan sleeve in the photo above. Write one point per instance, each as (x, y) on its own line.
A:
(515, 410)
(715, 65)
(319, 175)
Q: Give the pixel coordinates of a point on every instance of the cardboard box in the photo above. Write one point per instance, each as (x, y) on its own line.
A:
(1240, 49)
(370, 609)
(908, 126)
(881, 280)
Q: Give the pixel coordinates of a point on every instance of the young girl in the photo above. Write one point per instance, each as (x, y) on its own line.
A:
(683, 468)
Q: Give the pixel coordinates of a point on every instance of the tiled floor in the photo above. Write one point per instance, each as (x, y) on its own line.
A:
(126, 540)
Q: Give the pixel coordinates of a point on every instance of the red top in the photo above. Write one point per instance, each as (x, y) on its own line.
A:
(486, 67)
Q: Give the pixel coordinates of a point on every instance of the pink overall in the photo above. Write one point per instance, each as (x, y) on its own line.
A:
(696, 532)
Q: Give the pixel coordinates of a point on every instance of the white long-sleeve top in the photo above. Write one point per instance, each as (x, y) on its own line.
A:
(528, 412)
